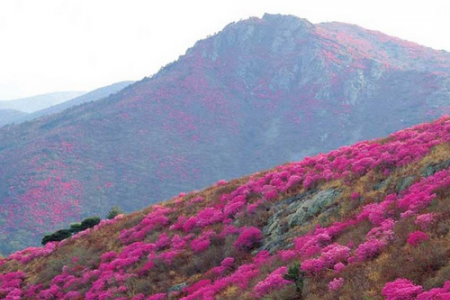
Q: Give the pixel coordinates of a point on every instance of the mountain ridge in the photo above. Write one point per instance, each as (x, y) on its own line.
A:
(87, 97)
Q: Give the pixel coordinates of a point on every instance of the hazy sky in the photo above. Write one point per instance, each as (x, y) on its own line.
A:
(61, 45)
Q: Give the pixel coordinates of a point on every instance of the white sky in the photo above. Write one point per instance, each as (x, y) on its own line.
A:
(61, 45)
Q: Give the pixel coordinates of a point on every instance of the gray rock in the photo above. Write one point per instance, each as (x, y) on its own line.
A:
(434, 168)
(311, 207)
(295, 211)
(382, 184)
(405, 183)
(178, 287)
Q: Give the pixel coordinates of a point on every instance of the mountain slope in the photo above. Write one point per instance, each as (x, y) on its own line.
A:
(367, 221)
(32, 104)
(260, 93)
(88, 97)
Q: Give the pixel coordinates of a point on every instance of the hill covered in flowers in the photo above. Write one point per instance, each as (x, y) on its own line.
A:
(260, 93)
(367, 221)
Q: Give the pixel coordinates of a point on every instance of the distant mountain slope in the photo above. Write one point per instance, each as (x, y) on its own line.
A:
(35, 103)
(259, 93)
(367, 221)
(9, 115)
(88, 97)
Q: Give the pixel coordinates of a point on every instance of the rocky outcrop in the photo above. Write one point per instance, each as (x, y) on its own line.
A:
(296, 211)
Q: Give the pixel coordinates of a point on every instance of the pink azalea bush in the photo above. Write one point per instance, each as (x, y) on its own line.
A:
(336, 284)
(248, 238)
(417, 237)
(401, 289)
(274, 281)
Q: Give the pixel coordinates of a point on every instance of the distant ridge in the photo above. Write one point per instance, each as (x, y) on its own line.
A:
(32, 104)
(10, 115)
(94, 95)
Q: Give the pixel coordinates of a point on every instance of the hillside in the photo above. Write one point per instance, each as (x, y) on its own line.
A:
(35, 103)
(368, 221)
(260, 93)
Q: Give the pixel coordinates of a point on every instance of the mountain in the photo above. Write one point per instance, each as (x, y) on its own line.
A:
(260, 93)
(368, 221)
(9, 115)
(35, 103)
(88, 97)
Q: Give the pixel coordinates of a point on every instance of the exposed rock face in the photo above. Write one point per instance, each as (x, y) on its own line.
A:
(435, 167)
(260, 93)
(296, 211)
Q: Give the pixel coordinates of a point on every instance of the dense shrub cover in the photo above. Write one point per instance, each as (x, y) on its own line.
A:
(386, 242)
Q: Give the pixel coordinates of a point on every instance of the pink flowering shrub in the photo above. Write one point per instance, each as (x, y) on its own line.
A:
(401, 289)
(355, 196)
(425, 220)
(287, 255)
(369, 249)
(436, 293)
(163, 241)
(339, 267)
(336, 284)
(383, 232)
(417, 237)
(248, 239)
(221, 182)
(31, 253)
(209, 216)
(235, 206)
(200, 245)
(313, 266)
(274, 281)
(335, 253)
(225, 265)
(159, 296)
(178, 243)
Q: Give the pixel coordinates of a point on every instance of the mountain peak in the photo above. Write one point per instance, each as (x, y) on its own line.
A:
(287, 20)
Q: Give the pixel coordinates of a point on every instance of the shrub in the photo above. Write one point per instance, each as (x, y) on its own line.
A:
(417, 237)
(336, 284)
(274, 281)
(369, 249)
(401, 289)
(90, 222)
(75, 227)
(296, 276)
(425, 220)
(56, 236)
(249, 238)
(113, 212)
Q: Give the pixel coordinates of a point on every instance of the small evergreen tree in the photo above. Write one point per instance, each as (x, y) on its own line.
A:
(90, 222)
(75, 228)
(113, 212)
(56, 236)
(297, 276)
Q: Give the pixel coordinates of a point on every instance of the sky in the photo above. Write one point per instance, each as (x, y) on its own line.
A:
(67, 45)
